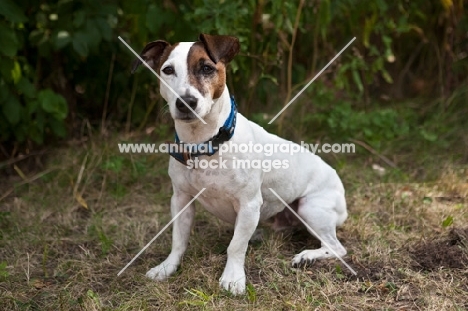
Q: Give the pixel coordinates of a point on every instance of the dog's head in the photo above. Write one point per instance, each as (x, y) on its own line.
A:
(196, 71)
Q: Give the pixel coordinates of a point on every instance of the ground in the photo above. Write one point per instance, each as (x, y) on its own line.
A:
(68, 228)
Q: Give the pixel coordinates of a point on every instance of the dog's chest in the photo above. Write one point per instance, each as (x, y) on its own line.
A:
(221, 189)
(207, 178)
(220, 182)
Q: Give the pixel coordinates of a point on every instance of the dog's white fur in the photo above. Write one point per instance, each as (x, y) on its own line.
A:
(242, 196)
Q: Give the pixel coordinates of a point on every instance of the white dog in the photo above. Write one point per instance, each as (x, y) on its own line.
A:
(196, 71)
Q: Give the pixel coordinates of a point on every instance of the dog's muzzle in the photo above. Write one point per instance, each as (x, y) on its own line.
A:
(191, 101)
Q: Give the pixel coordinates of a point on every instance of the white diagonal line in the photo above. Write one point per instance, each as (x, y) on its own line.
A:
(313, 79)
(313, 231)
(160, 79)
(161, 231)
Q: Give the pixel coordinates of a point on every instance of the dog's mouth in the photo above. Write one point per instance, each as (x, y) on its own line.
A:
(186, 117)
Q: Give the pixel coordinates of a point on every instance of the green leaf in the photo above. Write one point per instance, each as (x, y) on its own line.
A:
(16, 72)
(368, 28)
(382, 5)
(6, 66)
(387, 76)
(9, 45)
(403, 25)
(78, 18)
(114, 163)
(3, 271)
(25, 87)
(104, 28)
(447, 221)
(80, 44)
(427, 200)
(53, 103)
(58, 127)
(234, 66)
(12, 12)
(428, 136)
(357, 80)
(269, 77)
(153, 18)
(251, 293)
(93, 35)
(368, 132)
(12, 109)
(31, 106)
(62, 39)
(36, 134)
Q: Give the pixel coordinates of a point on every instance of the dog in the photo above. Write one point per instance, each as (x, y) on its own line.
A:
(196, 72)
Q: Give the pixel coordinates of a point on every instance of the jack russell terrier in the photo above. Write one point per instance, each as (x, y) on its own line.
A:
(196, 71)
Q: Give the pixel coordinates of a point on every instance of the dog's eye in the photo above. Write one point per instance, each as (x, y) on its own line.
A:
(207, 69)
(168, 70)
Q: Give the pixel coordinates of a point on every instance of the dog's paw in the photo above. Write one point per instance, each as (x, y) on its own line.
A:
(308, 257)
(161, 272)
(233, 280)
(302, 262)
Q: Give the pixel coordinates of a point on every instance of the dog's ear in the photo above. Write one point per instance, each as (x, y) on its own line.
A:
(220, 48)
(151, 54)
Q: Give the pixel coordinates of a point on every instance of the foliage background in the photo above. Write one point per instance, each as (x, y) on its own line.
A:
(63, 68)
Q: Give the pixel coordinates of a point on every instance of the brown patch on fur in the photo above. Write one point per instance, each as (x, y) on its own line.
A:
(205, 83)
(155, 54)
(165, 56)
(220, 48)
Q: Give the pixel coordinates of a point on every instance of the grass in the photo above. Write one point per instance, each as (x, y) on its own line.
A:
(66, 234)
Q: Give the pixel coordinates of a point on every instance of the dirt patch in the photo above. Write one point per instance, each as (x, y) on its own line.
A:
(370, 271)
(449, 251)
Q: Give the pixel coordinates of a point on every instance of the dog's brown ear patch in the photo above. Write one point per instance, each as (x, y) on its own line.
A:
(151, 54)
(220, 48)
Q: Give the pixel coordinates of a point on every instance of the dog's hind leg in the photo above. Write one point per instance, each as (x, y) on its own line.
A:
(180, 236)
(322, 213)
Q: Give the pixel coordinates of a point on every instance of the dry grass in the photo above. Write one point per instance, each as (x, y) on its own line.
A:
(60, 255)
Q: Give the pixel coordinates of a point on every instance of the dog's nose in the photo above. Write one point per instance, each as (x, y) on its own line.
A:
(191, 101)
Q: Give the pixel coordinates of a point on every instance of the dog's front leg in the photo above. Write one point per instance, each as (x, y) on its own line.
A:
(233, 277)
(180, 236)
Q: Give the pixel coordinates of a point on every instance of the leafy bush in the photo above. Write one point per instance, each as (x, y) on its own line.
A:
(61, 62)
(374, 126)
(35, 41)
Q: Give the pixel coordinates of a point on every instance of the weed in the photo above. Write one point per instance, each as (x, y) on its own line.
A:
(448, 221)
(3, 270)
(251, 293)
(200, 298)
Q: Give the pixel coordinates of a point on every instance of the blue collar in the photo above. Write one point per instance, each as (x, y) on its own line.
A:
(186, 151)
